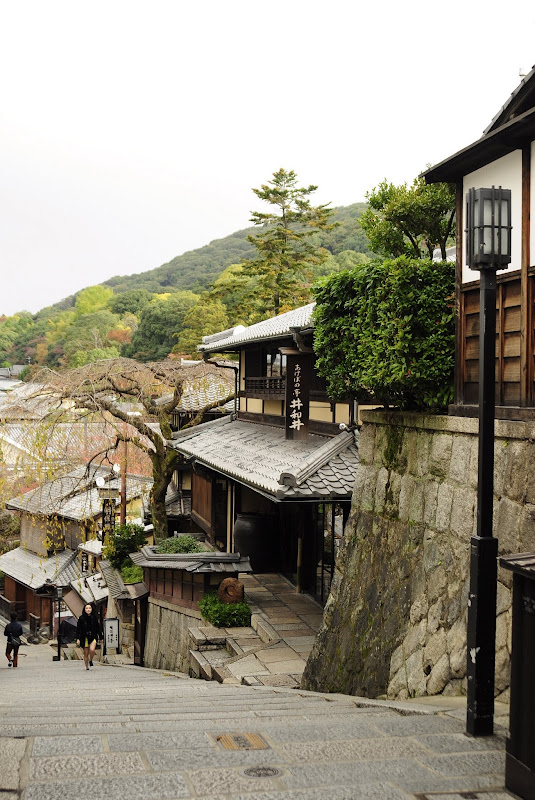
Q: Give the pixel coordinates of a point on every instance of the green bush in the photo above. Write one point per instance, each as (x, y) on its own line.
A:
(180, 544)
(224, 615)
(385, 330)
(123, 540)
(131, 573)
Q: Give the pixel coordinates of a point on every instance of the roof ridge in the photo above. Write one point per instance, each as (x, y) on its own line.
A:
(313, 462)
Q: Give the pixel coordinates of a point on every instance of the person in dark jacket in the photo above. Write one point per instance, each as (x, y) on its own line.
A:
(88, 633)
(13, 631)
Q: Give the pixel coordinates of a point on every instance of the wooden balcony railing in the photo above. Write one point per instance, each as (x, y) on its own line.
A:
(265, 387)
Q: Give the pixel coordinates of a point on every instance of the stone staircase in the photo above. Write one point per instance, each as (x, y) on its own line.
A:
(240, 655)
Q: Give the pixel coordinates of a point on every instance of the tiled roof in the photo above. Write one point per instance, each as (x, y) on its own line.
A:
(63, 442)
(192, 562)
(260, 456)
(35, 571)
(93, 547)
(29, 401)
(75, 496)
(204, 391)
(272, 328)
(114, 582)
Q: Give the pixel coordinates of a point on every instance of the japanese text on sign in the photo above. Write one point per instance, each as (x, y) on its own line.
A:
(296, 403)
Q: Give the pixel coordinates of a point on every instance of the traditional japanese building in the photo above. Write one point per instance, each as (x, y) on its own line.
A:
(273, 481)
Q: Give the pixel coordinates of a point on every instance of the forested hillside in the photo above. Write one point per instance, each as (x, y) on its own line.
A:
(151, 314)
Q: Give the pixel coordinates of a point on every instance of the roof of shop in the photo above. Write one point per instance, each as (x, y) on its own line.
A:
(259, 456)
(272, 328)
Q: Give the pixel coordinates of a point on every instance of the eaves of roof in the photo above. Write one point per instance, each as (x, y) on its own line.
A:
(274, 328)
(35, 571)
(497, 143)
(209, 562)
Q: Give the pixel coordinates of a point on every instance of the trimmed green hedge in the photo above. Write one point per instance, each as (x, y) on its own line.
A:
(386, 330)
(224, 615)
(180, 544)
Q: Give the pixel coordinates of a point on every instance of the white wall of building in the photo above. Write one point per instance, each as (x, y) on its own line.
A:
(507, 173)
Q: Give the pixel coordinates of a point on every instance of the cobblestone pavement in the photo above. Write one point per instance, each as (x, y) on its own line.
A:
(125, 732)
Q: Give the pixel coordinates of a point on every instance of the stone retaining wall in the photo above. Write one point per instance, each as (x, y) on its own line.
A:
(395, 623)
(167, 640)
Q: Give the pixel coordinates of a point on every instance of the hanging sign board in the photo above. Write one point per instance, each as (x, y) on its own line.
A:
(111, 635)
(108, 518)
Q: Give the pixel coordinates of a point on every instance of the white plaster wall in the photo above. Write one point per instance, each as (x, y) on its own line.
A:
(507, 173)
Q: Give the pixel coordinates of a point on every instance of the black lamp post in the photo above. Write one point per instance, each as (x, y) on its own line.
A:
(488, 249)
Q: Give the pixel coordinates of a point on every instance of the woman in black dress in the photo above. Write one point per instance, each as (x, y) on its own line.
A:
(88, 633)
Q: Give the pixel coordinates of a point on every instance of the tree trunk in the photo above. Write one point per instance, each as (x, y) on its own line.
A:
(162, 473)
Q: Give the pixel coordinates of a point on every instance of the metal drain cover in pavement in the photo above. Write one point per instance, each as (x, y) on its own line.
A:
(261, 772)
(242, 741)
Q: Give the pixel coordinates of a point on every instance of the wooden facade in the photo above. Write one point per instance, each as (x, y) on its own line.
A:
(503, 156)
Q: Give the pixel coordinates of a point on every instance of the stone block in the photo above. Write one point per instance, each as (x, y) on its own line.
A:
(510, 475)
(458, 662)
(430, 502)
(502, 631)
(503, 669)
(435, 648)
(439, 676)
(396, 660)
(440, 454)
(419, 610)
(410, 486)
(444, 507)
(507, 525)
(414, 638)
(526, 537)
(417, 502)
(416, 681)
(463, 511)
(381, 490)
(366, 443)
(435, 616)
(459, 470)
(437, 582)
(398, 684)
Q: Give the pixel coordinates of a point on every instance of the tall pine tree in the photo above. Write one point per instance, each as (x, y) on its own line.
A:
(287, 253)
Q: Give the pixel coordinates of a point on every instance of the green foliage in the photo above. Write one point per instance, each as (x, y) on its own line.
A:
(56, 333)
(224, 615)
(130, 302)
(208, 316)
(387, 329)
(180, 544)
(123, 540)
(81, 357)
(160, 321)
(131, 573)
(94, 298)
(286, 256)
(410, 220)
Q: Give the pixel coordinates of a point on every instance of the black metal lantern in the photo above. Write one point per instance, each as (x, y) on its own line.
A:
(488, 228)
(488, 215)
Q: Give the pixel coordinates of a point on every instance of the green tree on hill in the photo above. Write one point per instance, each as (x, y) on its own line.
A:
(286, 256)
(160, 321)
(208, 316)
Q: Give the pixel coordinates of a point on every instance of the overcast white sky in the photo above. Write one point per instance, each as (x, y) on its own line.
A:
(133, 131)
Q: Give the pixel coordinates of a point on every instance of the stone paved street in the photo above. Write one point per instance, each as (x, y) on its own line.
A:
(126, 732)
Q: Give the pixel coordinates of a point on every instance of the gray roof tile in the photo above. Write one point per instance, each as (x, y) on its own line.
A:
(75, 495)
(260, 456)
(272, 328)
(35, 571)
